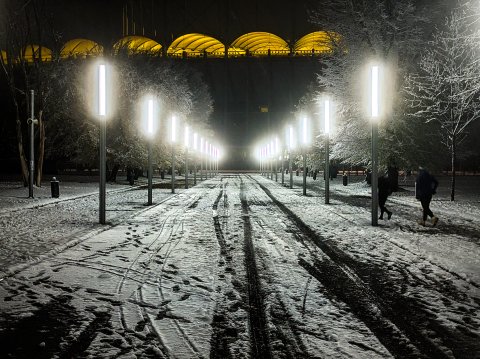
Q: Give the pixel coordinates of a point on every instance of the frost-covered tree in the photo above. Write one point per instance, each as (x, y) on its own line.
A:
(75, 130)
(446, 89)
(389, 31)
(24, 24)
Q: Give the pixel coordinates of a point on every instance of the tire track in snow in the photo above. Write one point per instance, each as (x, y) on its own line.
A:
(257, 318)
(416, 325)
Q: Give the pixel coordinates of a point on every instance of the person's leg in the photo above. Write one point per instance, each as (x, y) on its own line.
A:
(425, 203)
(427, 208)
(381, 203)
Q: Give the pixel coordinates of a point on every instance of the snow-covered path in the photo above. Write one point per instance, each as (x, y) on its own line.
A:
(241, 267)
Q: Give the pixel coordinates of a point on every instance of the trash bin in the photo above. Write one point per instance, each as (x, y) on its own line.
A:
(345, 179)
(54, 185)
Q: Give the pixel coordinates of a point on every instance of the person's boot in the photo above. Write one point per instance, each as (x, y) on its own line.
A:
(389, 215)
(434, 221)
(421, 222)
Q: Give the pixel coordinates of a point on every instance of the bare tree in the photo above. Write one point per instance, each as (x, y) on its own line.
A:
(445, 91)
(27, 23)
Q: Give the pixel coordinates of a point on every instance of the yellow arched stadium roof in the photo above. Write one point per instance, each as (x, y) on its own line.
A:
(80, 48)
(33, 53)
(138, 45)
(196, 45)
(259, 43)
(316, 42)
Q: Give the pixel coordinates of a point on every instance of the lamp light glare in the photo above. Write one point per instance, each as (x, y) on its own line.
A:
(327, 117)
(174, 120)
(375, 92)
(150, 117)
(102, 91)
(277, 150)
(304, 130)
(195, 140)
(290, 137)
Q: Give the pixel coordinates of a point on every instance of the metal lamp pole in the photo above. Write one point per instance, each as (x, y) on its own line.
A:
(276, 159)
(195, 142)
(290, 168)
(187, 129)
(290, 148)
(201, 159)
(304, 171)
(32, 122)
(173, 153)
(304, 153)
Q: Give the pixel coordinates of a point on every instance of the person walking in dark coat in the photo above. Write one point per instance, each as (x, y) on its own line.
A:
(425, 187)
(383, 193)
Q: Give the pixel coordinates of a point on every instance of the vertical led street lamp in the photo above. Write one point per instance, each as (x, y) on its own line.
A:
(206, 159)
(195, 149)
(327, 150)
(304, 152)
(375, 112)
(173, 130)
(202, 146)
(291, 146)
(282, 158)
(187, 143)
(276, 152)
(102, 114)
(150, 131)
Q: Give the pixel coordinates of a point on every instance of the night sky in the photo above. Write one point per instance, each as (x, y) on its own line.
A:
(168, 19)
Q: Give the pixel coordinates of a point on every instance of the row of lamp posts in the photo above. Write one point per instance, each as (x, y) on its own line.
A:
(208, 153)
(269, 152)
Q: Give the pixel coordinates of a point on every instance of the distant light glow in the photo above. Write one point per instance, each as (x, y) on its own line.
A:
(150, 117)
(102, 91)
(277, 146)
(327, 117)
(375, 92)
(195, 140)
(304, 130)
(291, 142)
(201, 144)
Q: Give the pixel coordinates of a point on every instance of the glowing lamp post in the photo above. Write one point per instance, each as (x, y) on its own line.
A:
(327, 150)
(173, 139)
(102, 114)
(150, 130)
(206, 159)
(195, 149)
(202, 146)
(375, 114)
(304, 152)
(186, 143)
(276, 152)
(291, 146)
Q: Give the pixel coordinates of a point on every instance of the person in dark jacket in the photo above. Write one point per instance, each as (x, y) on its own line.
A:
(425, 187)
(383, 192)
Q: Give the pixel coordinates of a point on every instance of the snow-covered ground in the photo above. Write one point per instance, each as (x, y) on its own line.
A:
(241, 267)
